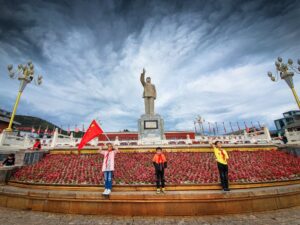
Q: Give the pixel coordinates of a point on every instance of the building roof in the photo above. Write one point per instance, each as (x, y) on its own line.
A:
(5, 113)
(6, 120)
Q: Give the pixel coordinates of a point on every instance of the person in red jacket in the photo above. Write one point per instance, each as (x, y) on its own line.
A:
(37, 145)
(160, 164)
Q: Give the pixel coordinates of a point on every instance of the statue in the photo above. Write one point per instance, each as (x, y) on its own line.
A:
(149, 94)
(150, 125)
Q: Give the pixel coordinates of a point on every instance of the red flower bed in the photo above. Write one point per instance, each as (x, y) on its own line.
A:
(183, 168)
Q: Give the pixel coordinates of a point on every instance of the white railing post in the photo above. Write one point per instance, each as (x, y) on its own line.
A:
(267, 133)
(2, 137)
(26, 141)
(54, 139)
(117, 142)
(188, 140)
(72, 140)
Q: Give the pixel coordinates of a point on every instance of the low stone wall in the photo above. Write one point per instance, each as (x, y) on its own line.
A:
(33, 157)
(148, 203)
(6, 172)
(23, 157)
(291, 149)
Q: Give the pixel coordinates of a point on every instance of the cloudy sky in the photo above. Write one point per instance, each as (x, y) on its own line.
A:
(207, 58)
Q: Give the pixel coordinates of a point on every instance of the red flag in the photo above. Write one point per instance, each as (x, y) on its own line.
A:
(246, 128)
(46, 131)
(93, 131)
(76, 129)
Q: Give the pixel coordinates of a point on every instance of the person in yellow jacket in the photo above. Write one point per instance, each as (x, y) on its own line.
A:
(221, 158)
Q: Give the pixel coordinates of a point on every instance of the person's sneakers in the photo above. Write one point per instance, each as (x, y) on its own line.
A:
(105, 192)
(157, 191)
(108, 191)
(163, 190)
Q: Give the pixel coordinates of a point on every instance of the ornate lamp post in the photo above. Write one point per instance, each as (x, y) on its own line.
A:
(200, 121)
(25, 74)
(286, 71)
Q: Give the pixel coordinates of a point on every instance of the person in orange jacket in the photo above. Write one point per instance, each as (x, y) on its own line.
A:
(160, 164)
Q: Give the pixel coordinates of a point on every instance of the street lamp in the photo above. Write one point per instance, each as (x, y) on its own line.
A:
(25, 74)
(286, 71)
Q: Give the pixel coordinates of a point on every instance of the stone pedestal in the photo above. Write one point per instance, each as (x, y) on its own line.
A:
(151, 129)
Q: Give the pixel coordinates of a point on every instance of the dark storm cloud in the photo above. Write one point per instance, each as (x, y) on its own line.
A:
(92, 51)
(113, 21)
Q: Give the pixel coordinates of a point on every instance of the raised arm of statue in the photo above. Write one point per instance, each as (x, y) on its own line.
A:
(143, 77)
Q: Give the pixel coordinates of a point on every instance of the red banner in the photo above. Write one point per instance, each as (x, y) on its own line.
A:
(93, 131)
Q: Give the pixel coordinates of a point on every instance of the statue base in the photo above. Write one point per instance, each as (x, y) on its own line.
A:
(151, 129)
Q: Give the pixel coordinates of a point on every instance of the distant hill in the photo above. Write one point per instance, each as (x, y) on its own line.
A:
(30, 121)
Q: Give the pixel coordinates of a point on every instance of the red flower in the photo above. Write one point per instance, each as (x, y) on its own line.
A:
(183, 168)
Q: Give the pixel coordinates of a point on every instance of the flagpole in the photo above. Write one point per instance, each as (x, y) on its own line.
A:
(98, 120)
(224, 128)
(82, 130)
(238, 126)
(231, 127)
(106, 137)
(259, 124)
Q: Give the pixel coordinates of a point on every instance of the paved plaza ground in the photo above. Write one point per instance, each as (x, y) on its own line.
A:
(289, 216)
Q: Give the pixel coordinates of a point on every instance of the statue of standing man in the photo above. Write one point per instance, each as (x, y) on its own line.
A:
(149, 94)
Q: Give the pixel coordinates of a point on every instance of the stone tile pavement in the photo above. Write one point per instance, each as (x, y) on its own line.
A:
(289, 216)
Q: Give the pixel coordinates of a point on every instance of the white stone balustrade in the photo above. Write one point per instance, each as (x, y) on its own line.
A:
(63, 140)
(59, 140)
(9, 139)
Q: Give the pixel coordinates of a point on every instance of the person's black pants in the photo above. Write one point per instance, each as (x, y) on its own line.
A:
(160, 178)
(223, 170)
